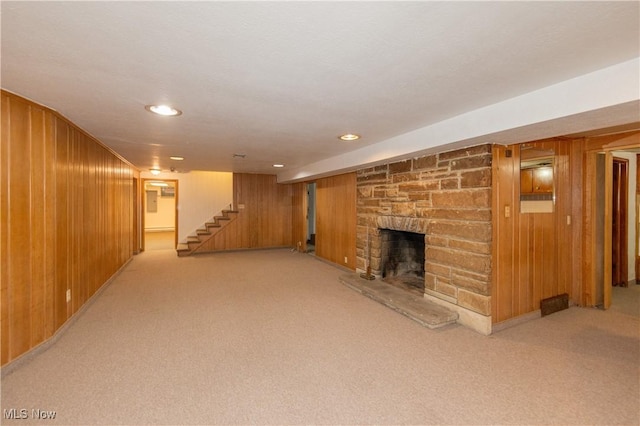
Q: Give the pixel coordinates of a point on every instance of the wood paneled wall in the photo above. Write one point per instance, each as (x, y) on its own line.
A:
(336, 219)
(535, 255)
(66, 204)
(264, 218)
(299, 216)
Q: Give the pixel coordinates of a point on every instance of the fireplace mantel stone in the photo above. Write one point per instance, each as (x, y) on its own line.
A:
(400, 223)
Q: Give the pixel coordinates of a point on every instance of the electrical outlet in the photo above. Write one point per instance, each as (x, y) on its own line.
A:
(68, 295)
(346, 260)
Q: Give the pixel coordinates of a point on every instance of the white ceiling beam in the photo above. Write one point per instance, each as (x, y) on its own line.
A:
(604, 98)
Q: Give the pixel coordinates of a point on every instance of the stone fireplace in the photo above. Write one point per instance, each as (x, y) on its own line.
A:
(446, 198)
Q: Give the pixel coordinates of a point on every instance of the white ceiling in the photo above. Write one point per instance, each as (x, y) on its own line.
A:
(279, 81)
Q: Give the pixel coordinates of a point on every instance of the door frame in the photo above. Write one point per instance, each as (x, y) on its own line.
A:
(623, 208)
(310, 208)
(144, 209)
(637, 219)
(611, 143)
(136, 213)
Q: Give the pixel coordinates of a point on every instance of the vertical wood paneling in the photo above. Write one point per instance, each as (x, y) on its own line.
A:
(336, 219)
(590, 222)
(76, 224)
(4, 218)
(608, 228)
(637, 225)
(564, 243)
(37, 226)
(62, 221)
(264, 218)
(526, 281)
(134, 199)
(91, 203)
(268, 210)
(19, 229)
(576, 212)
(504, 252)
(49, 236)
(64, 197)
(299, 216)
(534, 253)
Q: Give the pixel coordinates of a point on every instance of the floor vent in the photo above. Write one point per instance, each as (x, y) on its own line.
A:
(554, 304)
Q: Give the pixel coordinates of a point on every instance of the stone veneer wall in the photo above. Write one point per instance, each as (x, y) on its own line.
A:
(447, 197)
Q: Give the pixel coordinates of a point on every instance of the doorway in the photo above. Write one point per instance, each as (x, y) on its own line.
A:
(637, 219)
(160, 215)
(619, 222)
(600, 229)
(311, 217)
(135, 243)
(611, 239)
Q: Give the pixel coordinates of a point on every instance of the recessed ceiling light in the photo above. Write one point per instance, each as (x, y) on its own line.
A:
(163, 110)
(177, 158)
(350, 137)
(278, 165)
(155, 172)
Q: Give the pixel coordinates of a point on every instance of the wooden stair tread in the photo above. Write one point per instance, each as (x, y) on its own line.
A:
(210, 228)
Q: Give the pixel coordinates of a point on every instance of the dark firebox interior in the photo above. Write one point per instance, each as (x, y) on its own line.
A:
(403, 259)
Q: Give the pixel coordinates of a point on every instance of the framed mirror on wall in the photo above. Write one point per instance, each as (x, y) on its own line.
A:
(537, 187)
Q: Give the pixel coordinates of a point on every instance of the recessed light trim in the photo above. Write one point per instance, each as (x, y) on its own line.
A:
(278, 166)
(165, 110)
(349, 137)
(176, 158)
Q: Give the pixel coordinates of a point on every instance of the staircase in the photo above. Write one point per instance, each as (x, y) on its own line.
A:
(209, 229)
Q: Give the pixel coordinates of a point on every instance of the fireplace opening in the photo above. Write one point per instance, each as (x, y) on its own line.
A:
(402, 259)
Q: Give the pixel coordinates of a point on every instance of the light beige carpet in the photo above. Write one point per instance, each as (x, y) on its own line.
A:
(159, 240)
(272, 337)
